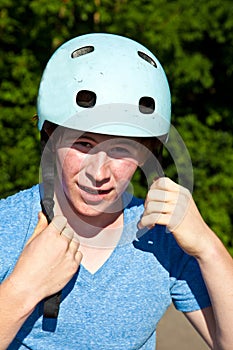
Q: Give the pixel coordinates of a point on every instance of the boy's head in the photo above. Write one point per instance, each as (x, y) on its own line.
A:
(103, 84)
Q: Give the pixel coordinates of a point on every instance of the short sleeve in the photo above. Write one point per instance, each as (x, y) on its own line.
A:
(188, 290)
(18, 217)
(187, 287)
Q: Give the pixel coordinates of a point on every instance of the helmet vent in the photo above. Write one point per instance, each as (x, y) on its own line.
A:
(147, 58)
(82, 51)
(146, 105)
(86, 98)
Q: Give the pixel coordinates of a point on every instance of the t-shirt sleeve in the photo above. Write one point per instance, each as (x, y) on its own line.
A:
(188, 290)
(187, 287)
(18, 217)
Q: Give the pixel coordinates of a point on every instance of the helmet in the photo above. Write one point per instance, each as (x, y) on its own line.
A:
(108, 84)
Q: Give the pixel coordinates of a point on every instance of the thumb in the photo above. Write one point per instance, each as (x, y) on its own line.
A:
(41, 225)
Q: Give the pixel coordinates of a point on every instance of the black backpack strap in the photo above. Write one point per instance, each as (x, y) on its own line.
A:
(51, 303)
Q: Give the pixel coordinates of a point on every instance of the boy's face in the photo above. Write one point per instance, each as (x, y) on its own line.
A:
(94, 169)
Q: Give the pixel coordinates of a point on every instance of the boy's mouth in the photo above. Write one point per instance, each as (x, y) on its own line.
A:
(94, 191)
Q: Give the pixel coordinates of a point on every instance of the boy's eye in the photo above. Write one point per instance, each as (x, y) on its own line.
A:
(82, 146)
(119, 152)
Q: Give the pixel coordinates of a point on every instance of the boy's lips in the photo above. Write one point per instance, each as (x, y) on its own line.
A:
(94, 193)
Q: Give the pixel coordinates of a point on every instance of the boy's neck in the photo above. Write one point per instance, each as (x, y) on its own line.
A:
(103, 230)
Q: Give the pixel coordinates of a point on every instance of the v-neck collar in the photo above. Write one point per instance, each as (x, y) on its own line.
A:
(89, 277)
(128, 235)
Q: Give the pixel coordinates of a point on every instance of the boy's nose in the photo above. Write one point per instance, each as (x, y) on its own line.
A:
(98, 169)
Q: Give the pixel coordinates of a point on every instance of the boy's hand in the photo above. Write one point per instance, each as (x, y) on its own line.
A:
(48, 261)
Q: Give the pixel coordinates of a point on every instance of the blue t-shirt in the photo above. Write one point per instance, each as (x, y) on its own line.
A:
(120, 305)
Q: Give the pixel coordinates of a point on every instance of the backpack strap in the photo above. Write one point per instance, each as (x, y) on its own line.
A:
(51, 303)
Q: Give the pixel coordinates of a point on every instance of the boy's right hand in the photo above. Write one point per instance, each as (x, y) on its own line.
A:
(48, 261)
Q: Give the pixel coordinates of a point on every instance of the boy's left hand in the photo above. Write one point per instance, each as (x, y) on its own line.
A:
(172, 205)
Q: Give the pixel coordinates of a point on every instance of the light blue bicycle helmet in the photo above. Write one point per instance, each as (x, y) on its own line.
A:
(108, 84)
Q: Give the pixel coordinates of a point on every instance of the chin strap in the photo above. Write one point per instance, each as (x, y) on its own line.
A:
(51, 303)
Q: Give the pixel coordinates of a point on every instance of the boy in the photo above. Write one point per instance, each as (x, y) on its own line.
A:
(104, 110)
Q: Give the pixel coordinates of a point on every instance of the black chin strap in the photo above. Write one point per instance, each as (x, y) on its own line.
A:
(51, 303)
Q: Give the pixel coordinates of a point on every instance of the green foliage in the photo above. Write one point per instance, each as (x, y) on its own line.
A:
(193, 40)
(212, 160)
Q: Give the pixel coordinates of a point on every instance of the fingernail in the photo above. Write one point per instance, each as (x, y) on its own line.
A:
(68, 232)
(75, 238)
(59, 222)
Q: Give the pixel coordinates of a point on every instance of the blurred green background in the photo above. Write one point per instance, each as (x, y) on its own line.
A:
(192, 39)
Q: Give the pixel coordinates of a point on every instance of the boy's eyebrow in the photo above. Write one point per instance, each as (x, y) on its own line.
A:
(126, 142)
(86, 137)
(115, 139)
